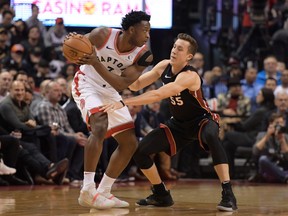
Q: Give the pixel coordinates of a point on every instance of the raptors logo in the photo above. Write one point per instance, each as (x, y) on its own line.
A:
(82, 103)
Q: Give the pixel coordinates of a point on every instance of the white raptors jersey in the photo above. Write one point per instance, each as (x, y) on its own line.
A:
(111, 58)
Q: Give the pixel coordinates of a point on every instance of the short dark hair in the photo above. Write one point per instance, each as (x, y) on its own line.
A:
(7, 12)
(3, 3)
(271, 78)
(20, 72)
(274, 116)
(193, 44)
(34, 6)
(133, 18)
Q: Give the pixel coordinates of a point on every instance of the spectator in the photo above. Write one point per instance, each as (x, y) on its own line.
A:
(271, 83)
(55, 35)
(281, 103)
(68, 71)
(50, 113)
(284, 83)
(34, 40)
(208, 87)
(4, 5)
(42, 72)
(281, 66)
(36, 100)
(33, 58)
(20, 32)
(64, 86)
(270, 70)
(245, 131)
(55, 64)
(34, 21)
(22, 77)
(16, 58)
(15, 115)
(9, 152)
(5, 84)
(250, 88)
(271, 151)
(234, 103)
(7, 17)
(219, 81)
(4, 48)
(198, 63)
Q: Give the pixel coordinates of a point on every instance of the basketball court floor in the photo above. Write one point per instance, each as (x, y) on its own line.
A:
(191, 197)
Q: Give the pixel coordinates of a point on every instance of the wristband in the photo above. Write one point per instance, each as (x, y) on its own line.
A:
(122, 102)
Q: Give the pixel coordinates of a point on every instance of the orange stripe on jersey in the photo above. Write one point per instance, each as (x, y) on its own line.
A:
(170, 139)
(76, 81)
(94, 110)
(120, 128)
(203, 103)
(91, 111)
(107, 38)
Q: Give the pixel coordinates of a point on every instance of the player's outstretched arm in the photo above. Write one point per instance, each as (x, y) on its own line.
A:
(185, 80)
(150, 76)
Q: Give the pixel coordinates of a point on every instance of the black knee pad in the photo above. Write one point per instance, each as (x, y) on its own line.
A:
(143, 161)
(210, 136)
(155, 142)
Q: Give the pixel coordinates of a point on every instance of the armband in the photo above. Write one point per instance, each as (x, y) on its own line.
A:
(142, 60)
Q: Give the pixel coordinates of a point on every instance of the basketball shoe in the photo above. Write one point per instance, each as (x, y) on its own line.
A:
(228, 202)
(163, 199)
(118, 203)
(94, 200)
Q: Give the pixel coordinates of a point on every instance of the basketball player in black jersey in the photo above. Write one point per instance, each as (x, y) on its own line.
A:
(191, 120)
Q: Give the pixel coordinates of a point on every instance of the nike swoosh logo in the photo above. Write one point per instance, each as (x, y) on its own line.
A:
(107, 47)
(166, 76)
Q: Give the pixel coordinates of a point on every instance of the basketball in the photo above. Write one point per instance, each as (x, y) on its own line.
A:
(75, 46)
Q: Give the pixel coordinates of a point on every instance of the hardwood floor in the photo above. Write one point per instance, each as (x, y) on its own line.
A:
(192, 197)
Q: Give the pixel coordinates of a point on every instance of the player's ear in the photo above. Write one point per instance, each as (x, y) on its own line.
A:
(189, 57)
(131, 29)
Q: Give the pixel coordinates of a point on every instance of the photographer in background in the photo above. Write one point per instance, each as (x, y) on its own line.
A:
(271, 151)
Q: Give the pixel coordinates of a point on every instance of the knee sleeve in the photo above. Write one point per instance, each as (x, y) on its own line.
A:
(143, 161)
(210, 136)
(154, 142)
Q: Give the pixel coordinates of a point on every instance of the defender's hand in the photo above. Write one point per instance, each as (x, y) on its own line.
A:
(112, 106)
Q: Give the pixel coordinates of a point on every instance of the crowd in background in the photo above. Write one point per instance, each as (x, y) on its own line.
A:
(42, 133)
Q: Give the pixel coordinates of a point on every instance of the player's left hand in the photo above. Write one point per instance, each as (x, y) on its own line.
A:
(111, 106)
(70, 34)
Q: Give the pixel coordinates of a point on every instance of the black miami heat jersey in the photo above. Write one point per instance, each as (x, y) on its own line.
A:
(187, 105)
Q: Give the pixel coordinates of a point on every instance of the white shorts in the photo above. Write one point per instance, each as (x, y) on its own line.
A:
(89, 97)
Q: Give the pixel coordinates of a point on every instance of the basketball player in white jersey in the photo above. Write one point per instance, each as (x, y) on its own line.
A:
(120, 57)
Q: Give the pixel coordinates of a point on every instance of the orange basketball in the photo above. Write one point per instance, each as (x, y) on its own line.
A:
(76, 46)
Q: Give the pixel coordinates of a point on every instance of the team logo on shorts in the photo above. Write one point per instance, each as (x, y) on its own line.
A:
(82, 103)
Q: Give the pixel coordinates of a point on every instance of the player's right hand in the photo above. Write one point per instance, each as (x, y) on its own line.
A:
(88, 59)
